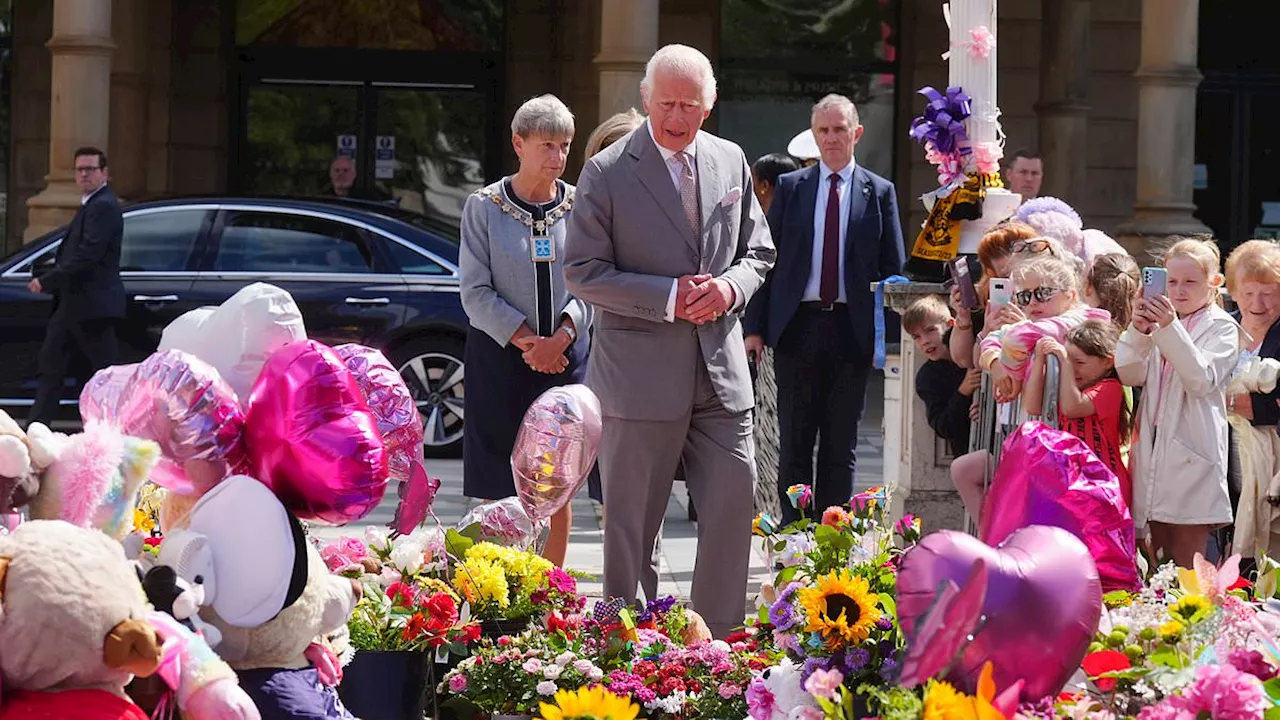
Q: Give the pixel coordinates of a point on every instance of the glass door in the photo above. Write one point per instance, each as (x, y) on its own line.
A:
(429, 147)
(302, 139)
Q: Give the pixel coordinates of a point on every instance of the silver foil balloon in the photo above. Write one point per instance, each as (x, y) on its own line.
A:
(556, 448)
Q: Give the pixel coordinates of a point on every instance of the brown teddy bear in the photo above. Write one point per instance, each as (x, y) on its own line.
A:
(75, 629)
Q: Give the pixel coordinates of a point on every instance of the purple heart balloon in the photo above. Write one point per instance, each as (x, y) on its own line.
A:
(1042, 606)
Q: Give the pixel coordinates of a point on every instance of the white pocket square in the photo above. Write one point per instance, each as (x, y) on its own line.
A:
(732, 196)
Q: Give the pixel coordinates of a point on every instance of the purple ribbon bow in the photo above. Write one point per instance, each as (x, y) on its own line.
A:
(942, 123)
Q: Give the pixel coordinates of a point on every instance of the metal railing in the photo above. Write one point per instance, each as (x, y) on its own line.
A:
(995, 422)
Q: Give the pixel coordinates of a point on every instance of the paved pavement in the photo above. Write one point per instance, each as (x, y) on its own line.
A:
(679, 540)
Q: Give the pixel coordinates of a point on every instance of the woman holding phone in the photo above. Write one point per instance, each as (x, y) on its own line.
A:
(995, 255)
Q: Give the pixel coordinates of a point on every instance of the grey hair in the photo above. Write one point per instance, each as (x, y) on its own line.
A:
(543, 116)
(685, 62)
(838, 102)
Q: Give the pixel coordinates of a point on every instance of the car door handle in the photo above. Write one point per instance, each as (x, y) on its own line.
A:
(368, 301)
(155, 298)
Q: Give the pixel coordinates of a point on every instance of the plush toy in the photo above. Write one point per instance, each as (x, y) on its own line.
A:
(23, 457)
(75, 629)
(93, 478)
(778, 693)
(171, 594)
(1255, 375)
(269, 593)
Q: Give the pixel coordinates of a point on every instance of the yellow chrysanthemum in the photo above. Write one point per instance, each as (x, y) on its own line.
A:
(944, 702)
(840, 607)
(1171, 630)
(1187, 606)
(480, 581)
(524, 568)
(589, 703)
(142, 522)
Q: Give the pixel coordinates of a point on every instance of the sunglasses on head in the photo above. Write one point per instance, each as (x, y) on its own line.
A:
(1041, 294)
(1033, 246)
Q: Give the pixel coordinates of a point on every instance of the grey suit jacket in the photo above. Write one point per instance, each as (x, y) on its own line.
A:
(628, 239)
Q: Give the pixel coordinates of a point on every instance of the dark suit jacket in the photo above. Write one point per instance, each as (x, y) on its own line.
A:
(85, 281)
(873, 251)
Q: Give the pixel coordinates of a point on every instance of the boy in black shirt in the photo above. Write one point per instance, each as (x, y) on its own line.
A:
(946, 388)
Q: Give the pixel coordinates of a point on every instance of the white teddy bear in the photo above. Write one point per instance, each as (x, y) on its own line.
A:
(1255, 375)
(778, 693)
(24, 456)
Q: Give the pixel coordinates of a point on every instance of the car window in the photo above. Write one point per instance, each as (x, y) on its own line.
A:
(412, 262)
(160, 241)
(277, 242)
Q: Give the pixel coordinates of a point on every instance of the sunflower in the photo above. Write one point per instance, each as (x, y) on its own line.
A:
(1189, 606)
(589, 703)
(840, 607)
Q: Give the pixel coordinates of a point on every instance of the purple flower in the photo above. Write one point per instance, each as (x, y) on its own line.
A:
(887, 648)
(856, 659)
(1251, 662)
(645, 695)
(888, 668)
(782, 614)
(813, 665)
(562, 581)
(884, 623)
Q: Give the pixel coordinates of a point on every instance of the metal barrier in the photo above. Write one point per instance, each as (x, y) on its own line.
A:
(993, 429)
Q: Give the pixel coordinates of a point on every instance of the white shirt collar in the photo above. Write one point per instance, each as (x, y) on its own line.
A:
(846, 174)
(85, 198)
(691, 149)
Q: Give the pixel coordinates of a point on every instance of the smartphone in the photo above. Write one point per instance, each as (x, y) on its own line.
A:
(960, 274)
(1154, 281)
(1001, 292)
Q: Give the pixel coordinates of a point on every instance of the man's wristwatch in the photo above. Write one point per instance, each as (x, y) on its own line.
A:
(573, 334)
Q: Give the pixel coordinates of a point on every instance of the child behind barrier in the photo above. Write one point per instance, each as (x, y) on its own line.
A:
(1091, 402)
(1114, 284)
(1047, 286)
(1183, 348)
(946, 388)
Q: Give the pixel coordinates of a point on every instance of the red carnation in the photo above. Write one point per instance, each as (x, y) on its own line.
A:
(1104, 661)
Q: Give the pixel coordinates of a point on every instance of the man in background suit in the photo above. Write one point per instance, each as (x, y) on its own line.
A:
(837, 231)
(88, 295)
(668, 242)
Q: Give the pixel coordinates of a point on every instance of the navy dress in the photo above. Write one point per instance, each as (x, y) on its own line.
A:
(501, 387)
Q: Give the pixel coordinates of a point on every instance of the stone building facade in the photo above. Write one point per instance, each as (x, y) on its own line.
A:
(170, 89)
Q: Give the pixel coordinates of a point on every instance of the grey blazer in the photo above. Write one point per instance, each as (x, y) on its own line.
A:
(628, 239)
(499, 286)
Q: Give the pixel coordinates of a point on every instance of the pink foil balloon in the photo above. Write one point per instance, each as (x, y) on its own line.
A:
(392, 406)
(416, 495)
(555, 448)
(311, 437)
(1042, 606)
(1050, 477)
(179, 402)
(502, 522)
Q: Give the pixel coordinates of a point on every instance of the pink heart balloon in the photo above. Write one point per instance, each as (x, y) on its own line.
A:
(1050, 477)
(556, 448)
(311, 437)
(179, 402)
(1042, 604)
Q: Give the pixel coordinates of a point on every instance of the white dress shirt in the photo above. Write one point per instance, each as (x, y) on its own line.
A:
(84, 199)
(813, 288)
(676, 169)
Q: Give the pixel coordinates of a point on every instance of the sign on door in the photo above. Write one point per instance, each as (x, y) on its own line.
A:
(347, 146)
(385, 157)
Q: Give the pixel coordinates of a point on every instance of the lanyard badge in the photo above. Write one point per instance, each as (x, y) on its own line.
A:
(542, 247)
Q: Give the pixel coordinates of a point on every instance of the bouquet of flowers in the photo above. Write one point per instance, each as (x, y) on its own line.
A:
(505, 583)
(513, 675)
(936, 700)
(832, 607)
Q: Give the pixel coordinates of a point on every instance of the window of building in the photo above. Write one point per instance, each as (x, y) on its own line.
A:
(778, 57)
(261, 242)
(455, 26)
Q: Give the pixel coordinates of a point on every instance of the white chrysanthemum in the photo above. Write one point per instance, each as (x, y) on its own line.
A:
(552, 672)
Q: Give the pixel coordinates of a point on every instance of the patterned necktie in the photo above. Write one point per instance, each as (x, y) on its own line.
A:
(689, 193)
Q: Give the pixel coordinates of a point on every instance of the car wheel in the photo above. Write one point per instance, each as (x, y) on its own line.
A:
(432, 368)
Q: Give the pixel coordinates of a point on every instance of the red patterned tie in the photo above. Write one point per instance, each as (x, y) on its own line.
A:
(829, 290)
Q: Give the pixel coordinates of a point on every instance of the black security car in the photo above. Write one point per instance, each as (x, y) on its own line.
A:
(361, 272)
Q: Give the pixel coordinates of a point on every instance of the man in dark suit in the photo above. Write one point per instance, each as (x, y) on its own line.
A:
(836, 229)
(88, 295)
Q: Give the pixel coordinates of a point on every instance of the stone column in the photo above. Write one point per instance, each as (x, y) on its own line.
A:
(81, 47)
(1063, 107)
(628, 38)
(130, 98)
(1167, 79)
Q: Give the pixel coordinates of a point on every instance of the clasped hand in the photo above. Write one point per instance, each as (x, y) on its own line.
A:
(702, 298)
(544, 354)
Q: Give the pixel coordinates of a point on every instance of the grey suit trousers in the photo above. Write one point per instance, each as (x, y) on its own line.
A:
(638, 461)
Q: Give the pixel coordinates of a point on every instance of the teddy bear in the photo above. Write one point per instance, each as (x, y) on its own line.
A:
(75, 629)
(179, 598)
(777, 693)
(269, 594)
(24, 456)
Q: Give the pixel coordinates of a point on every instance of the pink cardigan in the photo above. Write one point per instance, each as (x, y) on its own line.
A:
(1012, 345)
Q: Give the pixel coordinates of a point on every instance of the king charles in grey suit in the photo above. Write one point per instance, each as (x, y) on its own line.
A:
(668, 243)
